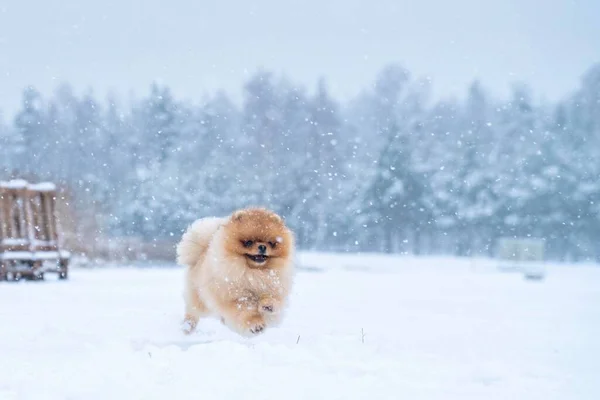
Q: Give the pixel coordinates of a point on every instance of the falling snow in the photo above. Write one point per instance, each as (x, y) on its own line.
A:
(458, 174)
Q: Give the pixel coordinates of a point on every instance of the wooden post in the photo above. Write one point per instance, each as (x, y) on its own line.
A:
(41, 198)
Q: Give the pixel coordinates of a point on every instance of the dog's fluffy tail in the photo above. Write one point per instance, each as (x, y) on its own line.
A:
(194, 242)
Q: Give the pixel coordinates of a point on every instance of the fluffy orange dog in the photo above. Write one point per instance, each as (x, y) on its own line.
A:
(239, 269)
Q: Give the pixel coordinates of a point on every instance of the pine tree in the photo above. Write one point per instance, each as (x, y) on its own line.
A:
(475, 202)
(397, 191)
(324, 138)
(159, 126)
(12, 149)
(29, 123)
(517, 137)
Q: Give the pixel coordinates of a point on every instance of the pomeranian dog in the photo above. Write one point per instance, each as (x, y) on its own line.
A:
(238, 268)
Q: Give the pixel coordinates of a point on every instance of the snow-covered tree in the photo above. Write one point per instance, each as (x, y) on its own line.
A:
(29, 123)
(474, 203)
(384, 171)
(12, 148)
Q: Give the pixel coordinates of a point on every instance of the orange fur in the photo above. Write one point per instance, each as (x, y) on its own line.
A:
(238, 268)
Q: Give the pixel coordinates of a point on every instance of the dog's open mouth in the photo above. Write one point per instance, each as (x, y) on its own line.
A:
(258, 258)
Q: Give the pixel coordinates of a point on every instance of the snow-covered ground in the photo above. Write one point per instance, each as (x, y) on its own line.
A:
(359, 327)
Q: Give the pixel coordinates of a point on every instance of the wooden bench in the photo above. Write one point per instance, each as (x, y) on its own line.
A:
(29, 245)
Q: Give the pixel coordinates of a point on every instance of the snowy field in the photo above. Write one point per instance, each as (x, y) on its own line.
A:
(371, 327)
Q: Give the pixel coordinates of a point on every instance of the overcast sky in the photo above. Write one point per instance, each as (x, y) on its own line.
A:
(200, 45)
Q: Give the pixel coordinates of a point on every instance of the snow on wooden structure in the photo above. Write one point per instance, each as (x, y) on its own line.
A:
(29, 245)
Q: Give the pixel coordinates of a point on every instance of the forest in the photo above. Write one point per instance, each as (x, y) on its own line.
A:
(391, 170)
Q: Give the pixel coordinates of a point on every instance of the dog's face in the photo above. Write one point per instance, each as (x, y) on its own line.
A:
(260, 237)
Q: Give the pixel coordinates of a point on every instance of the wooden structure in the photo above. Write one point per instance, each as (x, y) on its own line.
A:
(29, 232)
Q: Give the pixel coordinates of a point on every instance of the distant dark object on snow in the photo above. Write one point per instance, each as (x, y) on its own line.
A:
(525, 255)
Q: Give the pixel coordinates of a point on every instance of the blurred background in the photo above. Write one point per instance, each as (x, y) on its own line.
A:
(381, 126)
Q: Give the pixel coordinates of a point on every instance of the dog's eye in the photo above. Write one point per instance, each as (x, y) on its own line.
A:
(247, 243)
(273, 244)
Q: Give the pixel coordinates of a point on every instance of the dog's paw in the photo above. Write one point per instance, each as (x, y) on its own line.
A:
(188, 327)
(257, 329)
(256, 324)
(267, 305)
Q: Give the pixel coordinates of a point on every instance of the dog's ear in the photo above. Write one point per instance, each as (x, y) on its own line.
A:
(238, 216)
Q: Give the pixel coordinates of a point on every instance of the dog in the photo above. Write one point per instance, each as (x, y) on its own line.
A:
(238, 268)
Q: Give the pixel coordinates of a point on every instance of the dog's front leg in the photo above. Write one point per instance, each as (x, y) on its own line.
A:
(269, 304)
(243, 316)
(271, 307)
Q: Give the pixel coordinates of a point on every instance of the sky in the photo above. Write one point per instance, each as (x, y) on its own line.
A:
(199, 46)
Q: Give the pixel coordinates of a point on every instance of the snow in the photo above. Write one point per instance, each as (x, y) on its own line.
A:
(392, 163)
(14, 184)
(22, 184)
(39, 255)
(14, 241)
(37, 242)
(358, 327)
(16, 255)
(43, 186)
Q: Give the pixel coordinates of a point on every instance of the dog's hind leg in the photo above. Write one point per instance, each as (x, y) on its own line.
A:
(194, 309)
(193, 312)
(190, 321)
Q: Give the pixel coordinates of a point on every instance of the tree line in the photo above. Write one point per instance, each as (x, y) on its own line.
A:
(391, 170)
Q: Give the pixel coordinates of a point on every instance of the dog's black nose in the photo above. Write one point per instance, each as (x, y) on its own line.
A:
(262, 248)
